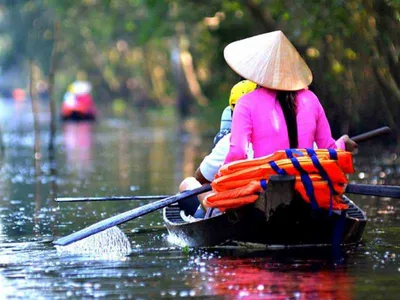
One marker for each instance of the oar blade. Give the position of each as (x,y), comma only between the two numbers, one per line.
(109,243)
(129,215)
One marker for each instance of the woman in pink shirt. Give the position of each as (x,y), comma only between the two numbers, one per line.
(282,113)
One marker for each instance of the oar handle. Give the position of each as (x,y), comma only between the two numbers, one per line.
(389,191)
(112,198)
(370,134)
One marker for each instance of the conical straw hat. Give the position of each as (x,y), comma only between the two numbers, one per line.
(270,60)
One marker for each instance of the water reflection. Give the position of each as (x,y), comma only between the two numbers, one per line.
(38,207)
(78,141)
(268,278)
(125,156)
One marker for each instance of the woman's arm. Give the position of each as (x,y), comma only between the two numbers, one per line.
(213,161)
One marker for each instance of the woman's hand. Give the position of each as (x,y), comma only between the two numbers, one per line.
(349,143)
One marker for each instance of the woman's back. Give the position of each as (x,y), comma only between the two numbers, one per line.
(259,118)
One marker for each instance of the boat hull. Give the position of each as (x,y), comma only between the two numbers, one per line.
(290,223)
(78,116)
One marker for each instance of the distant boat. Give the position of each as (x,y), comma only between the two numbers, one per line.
(78,104)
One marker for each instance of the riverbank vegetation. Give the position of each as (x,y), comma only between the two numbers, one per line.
(158,53)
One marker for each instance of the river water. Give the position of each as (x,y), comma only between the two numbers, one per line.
(148,155)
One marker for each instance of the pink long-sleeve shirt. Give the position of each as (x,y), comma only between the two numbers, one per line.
(258,119)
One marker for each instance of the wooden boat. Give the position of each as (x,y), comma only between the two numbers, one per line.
(279,218)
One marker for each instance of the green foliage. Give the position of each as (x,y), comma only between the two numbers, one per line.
(126,48)
(28,26)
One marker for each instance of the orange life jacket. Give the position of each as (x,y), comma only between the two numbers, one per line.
(248,194)
(320,178)
(280,167)
(343,158)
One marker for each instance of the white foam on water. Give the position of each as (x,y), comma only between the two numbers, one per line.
(175,240)
(110,243)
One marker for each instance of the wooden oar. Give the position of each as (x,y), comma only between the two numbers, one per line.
(112,198)
(129,215)
(390,191)
(370,134)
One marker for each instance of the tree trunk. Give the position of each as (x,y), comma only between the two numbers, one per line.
(35,111)
(51,79)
